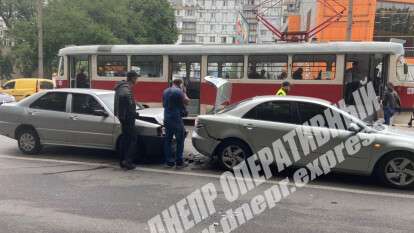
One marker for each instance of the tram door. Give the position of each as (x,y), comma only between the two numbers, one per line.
(189,69)
(80,71)
(372,67)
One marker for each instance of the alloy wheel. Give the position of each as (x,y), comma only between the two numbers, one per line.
(27,142)
(400,171)
(232,156)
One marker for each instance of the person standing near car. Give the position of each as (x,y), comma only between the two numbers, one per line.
(391,103)
(125,110)
(174,102)
(284,90)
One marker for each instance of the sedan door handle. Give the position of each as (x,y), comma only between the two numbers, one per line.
(74,118)
(32,113)
(249,126)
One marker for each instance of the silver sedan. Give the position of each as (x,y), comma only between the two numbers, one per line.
(244,128)
(73,117)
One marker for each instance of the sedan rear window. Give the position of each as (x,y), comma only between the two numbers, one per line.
(274,111)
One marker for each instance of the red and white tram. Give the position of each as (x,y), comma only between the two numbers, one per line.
(315,69)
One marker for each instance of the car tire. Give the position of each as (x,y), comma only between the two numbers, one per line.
(231,153)
(29,142)
(397,170)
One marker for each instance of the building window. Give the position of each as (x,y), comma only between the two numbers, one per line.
(112,65)
(189,25)
(211,27)
(201,39)
(394,20)
(147,66)
(225,16)
(229,67)
(189,13)
(189,38)
(252,38)
(223,27)
(273,67)
(314,67)
(212,39)
(223,40)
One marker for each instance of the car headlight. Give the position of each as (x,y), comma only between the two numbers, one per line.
(161,131)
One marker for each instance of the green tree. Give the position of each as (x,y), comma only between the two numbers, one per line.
(79,22)
(6,67)
(12,10)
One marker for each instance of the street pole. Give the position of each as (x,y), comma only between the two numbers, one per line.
(350,19)
(40,37)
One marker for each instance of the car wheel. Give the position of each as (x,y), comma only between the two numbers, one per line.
(397,171)
(231,153)
(29,142)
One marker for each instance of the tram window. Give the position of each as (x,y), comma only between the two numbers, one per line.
(61,67)
(112,66)
(268,67)
(314,67)
(228,67)
(147,66)
(404,72)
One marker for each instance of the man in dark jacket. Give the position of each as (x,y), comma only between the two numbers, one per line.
(174,101)
(125,110)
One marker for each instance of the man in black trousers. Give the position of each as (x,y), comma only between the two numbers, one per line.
(125,110)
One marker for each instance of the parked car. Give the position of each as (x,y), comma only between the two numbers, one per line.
(5,98)
(244,128)
(24,87)
(73,117)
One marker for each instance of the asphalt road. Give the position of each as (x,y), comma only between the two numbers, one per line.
(77,190)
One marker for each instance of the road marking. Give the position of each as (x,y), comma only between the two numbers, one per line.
(205,175)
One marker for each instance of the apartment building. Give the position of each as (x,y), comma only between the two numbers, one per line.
(214,21)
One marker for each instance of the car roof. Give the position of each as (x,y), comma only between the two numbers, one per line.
(291,98)
(83,91)
(31,79)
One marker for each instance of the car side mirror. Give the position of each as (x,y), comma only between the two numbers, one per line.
(353,127)
(100,112)
(405,69)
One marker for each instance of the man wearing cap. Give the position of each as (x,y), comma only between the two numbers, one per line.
(284,90)
(125,110)
(174,102)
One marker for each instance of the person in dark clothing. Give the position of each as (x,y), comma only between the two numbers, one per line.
(390,103)
(125,110)
(174,102)
(81,79)
(298,74)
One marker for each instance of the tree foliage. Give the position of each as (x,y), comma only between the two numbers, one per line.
(6,67)
(79,22)
(13,10)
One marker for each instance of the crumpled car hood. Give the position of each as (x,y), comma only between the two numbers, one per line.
(156,113)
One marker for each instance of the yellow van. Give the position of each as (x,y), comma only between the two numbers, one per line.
(24,87)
